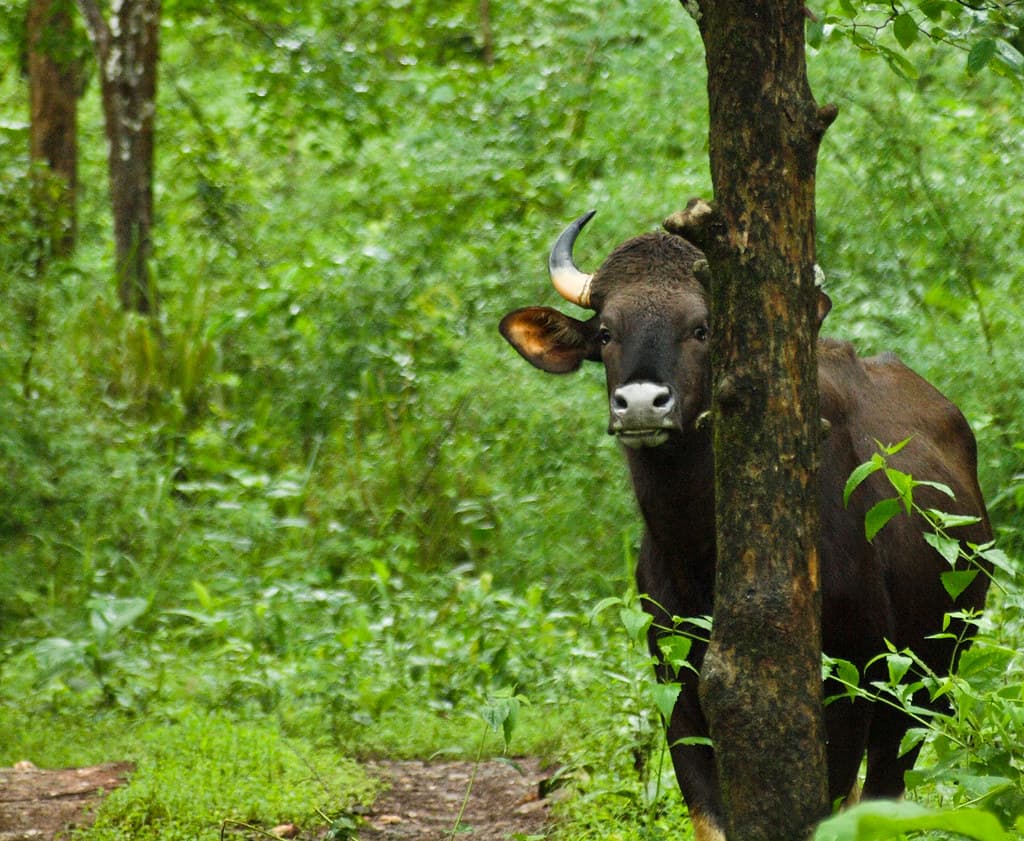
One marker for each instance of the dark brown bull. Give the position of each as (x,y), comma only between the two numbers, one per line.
(650,331)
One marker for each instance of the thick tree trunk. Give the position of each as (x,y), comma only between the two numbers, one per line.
(761,681)
(53,101)
(127,53)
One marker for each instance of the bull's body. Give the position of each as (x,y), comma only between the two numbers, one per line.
(650,332)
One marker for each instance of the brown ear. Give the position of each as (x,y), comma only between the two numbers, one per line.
(550,340)
(824,306)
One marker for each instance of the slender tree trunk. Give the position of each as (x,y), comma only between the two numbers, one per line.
(486,34)
(53,100)
(53,74)
(761,681)
(127,50)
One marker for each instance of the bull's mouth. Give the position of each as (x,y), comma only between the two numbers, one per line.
(638,439)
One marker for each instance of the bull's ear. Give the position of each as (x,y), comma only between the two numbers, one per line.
(550,340)
(824,306)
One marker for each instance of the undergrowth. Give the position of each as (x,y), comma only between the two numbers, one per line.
(196,777)
(315,508)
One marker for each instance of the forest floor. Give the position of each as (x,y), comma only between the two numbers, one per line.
(37,805)
(418,800)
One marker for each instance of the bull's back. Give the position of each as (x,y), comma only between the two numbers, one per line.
(897,576)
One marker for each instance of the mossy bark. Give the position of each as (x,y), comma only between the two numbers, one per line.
(761,680)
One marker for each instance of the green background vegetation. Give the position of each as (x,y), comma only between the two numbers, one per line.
(318,510)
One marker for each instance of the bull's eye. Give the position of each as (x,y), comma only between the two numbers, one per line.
(604,335)
(701,334)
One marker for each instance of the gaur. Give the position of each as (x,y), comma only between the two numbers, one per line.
(650,331)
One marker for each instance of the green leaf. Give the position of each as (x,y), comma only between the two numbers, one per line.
(815,31)
(951,521)
(932,9)
(203,595)
(442,95)
(1008,59)
(945,546)
(905,29)
(603,605)
(55,655)
(703,622)
(898,664)
(882,820)
(693,740)
(945,489)
(501,714)
(892,449)
(980,55)
(665,696)
(846,673)
(675,650)
(956,581)
(998,558)
(859,475)
(904,485)
(635,622)
(879,515)
(861,41)
(110,616)
(849,9)
(912,738)
(980,786)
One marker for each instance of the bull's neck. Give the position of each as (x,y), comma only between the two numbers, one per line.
(674,486)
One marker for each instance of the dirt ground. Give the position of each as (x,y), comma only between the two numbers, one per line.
(419,800)
(37,805)
(424,798)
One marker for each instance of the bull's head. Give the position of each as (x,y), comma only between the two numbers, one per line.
(650,330)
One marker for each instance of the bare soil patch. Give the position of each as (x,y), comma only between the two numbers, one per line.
(37,804)
(423,800)
(419,800)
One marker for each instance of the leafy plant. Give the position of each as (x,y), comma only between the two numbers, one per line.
(654,687)
(499,714)
(978,558)
(973,756)
(988,40)
(879,820)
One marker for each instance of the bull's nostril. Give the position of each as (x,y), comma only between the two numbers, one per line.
(642,404)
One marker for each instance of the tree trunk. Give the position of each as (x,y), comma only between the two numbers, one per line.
(761,681)
(127,53)
(486,34)
(53,101)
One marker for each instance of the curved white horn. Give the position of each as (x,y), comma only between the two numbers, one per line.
(571,283)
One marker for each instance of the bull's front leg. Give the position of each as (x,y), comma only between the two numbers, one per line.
(667,598)
(695,765)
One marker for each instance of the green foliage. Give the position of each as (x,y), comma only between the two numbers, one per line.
(645,801)
(973,559)
(883,820)
(991,34)
(199,776)
(318,485)
(973,756)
